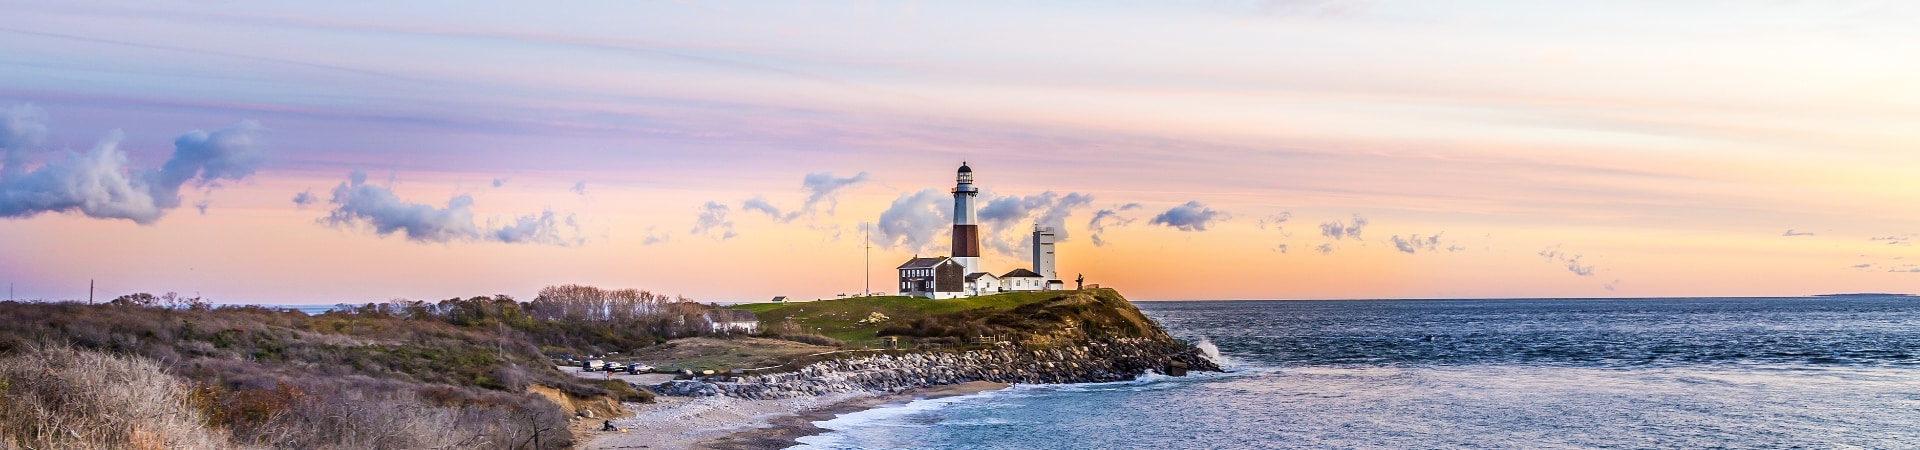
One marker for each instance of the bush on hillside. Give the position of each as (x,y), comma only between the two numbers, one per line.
(287,380)
(55,396)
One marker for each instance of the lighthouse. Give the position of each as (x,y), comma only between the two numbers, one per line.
(966,234)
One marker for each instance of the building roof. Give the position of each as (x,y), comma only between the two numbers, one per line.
(1020,273)
(977,275)
(964,168)
(924,263)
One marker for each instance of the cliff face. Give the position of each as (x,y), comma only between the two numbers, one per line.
(1075,337)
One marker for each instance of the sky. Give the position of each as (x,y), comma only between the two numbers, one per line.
(352,152)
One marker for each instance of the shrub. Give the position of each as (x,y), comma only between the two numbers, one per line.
(54,396)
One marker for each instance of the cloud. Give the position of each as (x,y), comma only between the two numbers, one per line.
(1556,255)
(579,187)
(1108,218)
(498,182)
(1573,265)
(1415,243)
(821,187)
(915,221)
(1900,239)
(1276,220)
(204,158)
(1004,219)
(304,199)
(1324,249)
(1908,268)
(656,237)
(1338,230)
(1791,233)
(1192,216)
(713,217)
(356,202)
(761,205)
(542,228)
(23,128)
(1105,218)
(1009,209)
(1611,286)
(1863,266)
(1282,248)
(99,184)
(824,187)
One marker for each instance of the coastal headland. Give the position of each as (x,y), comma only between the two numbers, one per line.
(942,347)
(493,372)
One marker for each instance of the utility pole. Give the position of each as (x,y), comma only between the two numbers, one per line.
(89,291)
(867,236)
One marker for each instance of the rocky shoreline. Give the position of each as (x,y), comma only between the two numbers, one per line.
(1094,361)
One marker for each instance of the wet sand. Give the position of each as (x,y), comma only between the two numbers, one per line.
(731,423)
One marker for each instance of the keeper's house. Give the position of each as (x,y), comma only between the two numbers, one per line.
(937,277)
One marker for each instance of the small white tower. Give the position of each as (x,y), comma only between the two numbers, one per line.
(966,234)
(1043,252)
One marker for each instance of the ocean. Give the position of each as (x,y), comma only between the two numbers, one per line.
(1814,372)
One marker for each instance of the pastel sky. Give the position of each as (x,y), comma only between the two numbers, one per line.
(327,152)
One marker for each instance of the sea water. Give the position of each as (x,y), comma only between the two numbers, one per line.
(1824,372)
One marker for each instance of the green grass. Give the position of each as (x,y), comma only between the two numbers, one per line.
(838,318)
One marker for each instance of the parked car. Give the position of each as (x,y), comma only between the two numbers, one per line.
(592,365)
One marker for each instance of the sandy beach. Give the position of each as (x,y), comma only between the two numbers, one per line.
(731,423)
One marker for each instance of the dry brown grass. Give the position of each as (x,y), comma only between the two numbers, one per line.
(58,397)
(714,353)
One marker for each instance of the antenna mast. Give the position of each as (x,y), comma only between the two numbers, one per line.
(866,235)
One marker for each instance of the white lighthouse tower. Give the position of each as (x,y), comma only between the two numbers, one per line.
(966,234)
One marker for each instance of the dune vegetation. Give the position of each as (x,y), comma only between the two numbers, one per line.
(148,371)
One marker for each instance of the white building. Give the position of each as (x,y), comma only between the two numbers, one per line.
(1043,264)
(1022,280)
(983,283)
(732,321)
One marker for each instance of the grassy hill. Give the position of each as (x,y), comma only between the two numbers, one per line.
(1025,316)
